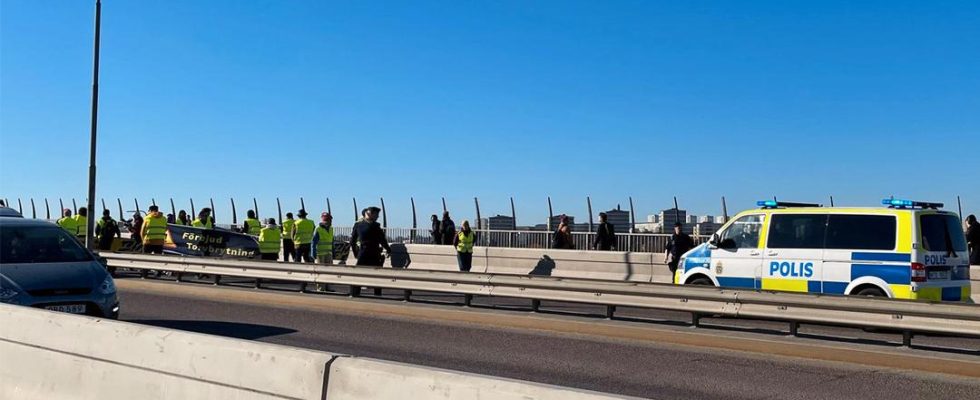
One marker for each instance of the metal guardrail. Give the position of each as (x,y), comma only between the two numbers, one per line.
(899,315)
(632,242)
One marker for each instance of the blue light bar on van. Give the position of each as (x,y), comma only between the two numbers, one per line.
(902,203)
(776,204)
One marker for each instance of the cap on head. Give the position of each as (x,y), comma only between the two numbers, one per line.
(271,221)
(301,213)
(153,208)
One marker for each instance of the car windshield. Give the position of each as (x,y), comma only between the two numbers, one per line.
(941,232)
(39,244)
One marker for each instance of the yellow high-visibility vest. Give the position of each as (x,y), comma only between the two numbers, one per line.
(269,240)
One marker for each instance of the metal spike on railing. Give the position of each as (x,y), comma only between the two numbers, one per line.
(33,209)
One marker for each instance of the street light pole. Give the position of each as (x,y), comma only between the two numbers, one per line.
(90,231)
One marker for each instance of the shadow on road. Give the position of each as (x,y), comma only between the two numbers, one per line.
(221,328)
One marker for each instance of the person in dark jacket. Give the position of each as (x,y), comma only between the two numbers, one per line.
(448,229)
(107,230)
(973,239)
(679,244)
(605,235)
(135,228)
(562,238)
(436,230)
(367,239)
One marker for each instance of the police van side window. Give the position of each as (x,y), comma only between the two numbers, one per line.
(861,232)
(743,233)
(797,231)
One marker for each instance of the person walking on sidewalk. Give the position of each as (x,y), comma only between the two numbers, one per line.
(464,247)
(605,235)
(678,244)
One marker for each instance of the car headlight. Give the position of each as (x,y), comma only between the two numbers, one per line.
(7,294)
(108,286)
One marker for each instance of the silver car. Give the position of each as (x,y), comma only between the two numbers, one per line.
(43,266)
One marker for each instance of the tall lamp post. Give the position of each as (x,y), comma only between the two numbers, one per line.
(92,215)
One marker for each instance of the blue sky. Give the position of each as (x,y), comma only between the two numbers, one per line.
(495,99)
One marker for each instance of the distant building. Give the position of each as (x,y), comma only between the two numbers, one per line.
(652,218)
(671,216)
(706,218)
(500,223)
(691,219)
(720,220)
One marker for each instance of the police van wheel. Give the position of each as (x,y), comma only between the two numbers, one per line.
(870,292)
(702,281)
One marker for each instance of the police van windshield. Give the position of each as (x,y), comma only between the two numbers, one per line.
(39,244)
(941,232)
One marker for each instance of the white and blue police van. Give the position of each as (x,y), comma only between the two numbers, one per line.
(905,250)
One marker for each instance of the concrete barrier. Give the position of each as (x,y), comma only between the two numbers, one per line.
(48,355)
(356,378)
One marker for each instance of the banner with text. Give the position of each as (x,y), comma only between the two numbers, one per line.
(200,242)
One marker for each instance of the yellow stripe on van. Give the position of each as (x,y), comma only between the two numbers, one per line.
(965,294)
(928,293)
(902,291)
(785,285)
(904,232)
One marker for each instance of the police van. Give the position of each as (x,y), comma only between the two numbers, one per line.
(905,250)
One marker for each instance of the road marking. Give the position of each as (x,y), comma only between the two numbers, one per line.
(899,358)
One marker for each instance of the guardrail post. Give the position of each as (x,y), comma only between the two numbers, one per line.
(695,320)
(467,300)
(610,312)
(907,338)
(794,328)
(178,277)
(355,291)
(217,280)
(535,305)
(258,283)
(408,296)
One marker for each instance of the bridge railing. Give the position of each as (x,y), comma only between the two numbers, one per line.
(632,242)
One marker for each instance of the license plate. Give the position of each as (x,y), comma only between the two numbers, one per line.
(938,275)
(68,308)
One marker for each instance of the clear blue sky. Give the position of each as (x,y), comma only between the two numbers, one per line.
(495,99)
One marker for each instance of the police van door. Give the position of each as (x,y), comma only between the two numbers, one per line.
(794,253)
(738,258)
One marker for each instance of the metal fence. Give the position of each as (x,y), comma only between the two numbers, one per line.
(633,242)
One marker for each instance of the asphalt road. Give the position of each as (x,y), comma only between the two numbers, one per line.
(645,368)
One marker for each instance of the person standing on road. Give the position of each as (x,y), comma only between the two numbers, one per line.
(447,228)
(68,223)
(251,226)
(436,230)
(464,247)
(288,248)
(367,239)
(203,219)
(182,218)
(154,231)
(270,237)
(106,230)
(323,240)
(303,237)
(973,238)
(136,230)
(81,223)
(678,244)
(605,235)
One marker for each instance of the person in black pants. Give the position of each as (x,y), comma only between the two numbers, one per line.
(605,235)
(436,230)
(679,244)
(367,240)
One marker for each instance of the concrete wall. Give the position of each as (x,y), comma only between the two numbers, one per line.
(48,355)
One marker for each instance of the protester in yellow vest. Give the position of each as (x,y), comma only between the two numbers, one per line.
(323,240)
(269,239)
(303,237)
(154,231)
(182,218)
(288,249)
(464,247)
(252,225)
(81,223)
(203,219)
(68,223)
